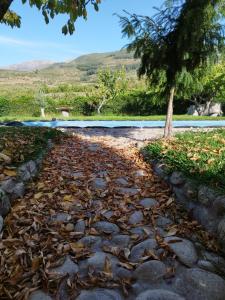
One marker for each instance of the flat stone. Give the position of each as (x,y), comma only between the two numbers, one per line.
(97,261)
(80,226)
(78,174)
(39,295)
(136,218)
(14,188)
(99,294)
(219,205)
(184,250)
(205,217)
(1,223)
(120,240)
(122,181)
(5,205)
(68,267)
(206,265)
(151,271)
(108,214)
(99,184)
(32,168)
(142,231)
(140,173)
(61,217)
(159,295)
(163,222)
(128,191)
(27,171)
(221,231)
(91,242)
(124,273)
(106,227)
(138,251)
(206,195)
(199,284)
(69,227)
(177,178)
(148,202)
(217,261)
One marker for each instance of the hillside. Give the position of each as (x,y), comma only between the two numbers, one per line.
(30,65)
(78,71)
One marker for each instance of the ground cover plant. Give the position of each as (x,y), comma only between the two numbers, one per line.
(19,144)
(199,155)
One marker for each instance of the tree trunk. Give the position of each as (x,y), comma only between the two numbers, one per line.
(42,112)
(100,105)
(169,116)
(4,6)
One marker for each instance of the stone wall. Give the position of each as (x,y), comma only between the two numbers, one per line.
(205,204)
(14,187)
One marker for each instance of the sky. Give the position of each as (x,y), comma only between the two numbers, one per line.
(37,41)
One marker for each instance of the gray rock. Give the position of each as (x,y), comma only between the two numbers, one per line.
(5,205)
(122,181)
(177,178)
(160,169)
(23,173)
(219,206)
(191,190)
(61,217)
(136,218)
(68,267)
(97,261)
(108,214)
(217,261)
(140,173)
(151,271)
(99,294)
(123,273)
(206,196)
(94,148)
(39,295)
(32,168)
(128,191)
(198,284)
(221,232)
(159,294)
(1,223)
(143,231)
(163,222)
(206,217)
(148,202)
(120,240)
(99,184)
(138,251)
(106,227)
(78,174)
(13,188)
(184,249)
(80,226)
(206,265)
(91,241)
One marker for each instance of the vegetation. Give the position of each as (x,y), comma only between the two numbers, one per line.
(49,9)
(174,43)
(23,143)
(199,155)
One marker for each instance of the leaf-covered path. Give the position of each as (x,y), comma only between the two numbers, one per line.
(98,224)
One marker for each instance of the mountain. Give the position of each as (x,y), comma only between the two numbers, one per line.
(30,65)
(84,69)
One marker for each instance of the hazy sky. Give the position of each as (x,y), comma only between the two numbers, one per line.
(35,40)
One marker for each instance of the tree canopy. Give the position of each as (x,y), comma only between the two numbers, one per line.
(181,37)
(49,9)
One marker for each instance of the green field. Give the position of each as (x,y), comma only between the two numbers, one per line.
(106,117)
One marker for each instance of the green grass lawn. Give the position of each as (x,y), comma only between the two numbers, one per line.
(106,117)
(199,155)
(23,143)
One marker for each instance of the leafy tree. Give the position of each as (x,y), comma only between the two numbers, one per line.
(181,37)
(50,8)
(111,83)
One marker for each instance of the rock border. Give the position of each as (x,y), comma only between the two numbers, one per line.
(14,187)
(204,203)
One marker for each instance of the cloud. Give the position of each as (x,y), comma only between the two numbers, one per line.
(39,45)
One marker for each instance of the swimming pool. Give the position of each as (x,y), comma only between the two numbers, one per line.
(114,124)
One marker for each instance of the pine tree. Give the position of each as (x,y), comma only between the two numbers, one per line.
(182,36)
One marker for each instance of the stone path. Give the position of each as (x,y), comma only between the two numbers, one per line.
(99,225)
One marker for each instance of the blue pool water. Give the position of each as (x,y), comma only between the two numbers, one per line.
(113,124)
